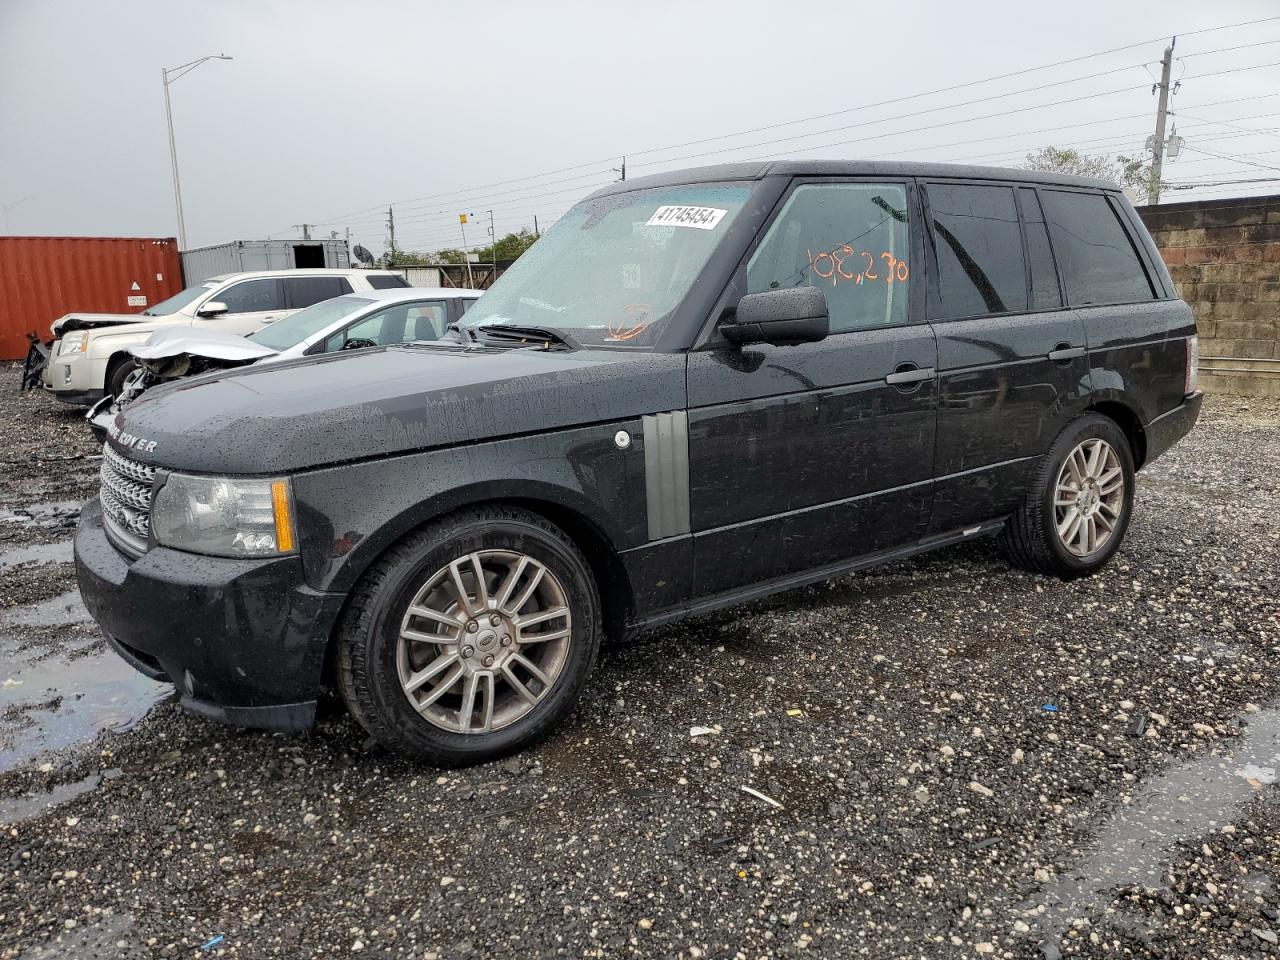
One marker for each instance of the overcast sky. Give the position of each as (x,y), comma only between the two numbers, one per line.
(331,110)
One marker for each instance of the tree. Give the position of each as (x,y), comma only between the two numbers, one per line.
(508,248)
(1127,171)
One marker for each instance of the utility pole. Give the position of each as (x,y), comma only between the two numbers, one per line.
(391,224)
(1157,141)
(493,238)
(536,234)
(305,228)
(466,254)
(7,206)
(167,76)
(622,169)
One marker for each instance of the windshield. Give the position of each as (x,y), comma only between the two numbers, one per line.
(613,269)
(178,300)
(292,330)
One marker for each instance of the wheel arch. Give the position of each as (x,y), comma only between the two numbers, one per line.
(552,503)
(1130,424)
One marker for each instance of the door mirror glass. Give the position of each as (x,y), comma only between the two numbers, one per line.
(214,308)
(782,317)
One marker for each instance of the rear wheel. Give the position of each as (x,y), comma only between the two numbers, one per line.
(1077,510)
(471,639)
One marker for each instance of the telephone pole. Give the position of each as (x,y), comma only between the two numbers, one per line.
(391,224)
(1157,141)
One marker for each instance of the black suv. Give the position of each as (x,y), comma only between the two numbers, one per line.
(696,389)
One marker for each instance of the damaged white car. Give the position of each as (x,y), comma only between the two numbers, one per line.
(373,318)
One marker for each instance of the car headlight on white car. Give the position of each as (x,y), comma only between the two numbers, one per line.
(225,516)
(72,343)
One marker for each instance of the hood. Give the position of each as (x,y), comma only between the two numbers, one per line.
(212,344)
(87,321)
(299,414)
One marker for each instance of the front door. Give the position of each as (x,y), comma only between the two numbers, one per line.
(1012,366)
(807,456)
(251,305)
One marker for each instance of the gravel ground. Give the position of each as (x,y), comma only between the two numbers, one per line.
(949,758)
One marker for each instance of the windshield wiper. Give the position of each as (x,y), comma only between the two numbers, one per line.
(466,334)
(513,331)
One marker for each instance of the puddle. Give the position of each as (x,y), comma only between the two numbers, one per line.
(16,809)
(1134,847)
(59,552)
(66,608)
(67,698)
(54,513)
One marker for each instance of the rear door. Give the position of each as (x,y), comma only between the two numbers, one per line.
(805,456)
(304,291)
(1012,369)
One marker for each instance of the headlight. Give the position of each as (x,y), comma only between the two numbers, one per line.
(72,343)
(225,516)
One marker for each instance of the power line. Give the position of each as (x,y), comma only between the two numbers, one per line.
(947,89)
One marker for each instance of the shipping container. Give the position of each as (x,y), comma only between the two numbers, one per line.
(239,255)
(42,278)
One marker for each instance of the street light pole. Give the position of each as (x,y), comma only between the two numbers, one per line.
(168,75)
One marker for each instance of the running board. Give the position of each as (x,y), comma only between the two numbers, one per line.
(803,579)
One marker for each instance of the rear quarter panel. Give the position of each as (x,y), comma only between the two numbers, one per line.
(1137,354)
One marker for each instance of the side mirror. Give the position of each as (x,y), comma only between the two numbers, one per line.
(212,308)
(783,317)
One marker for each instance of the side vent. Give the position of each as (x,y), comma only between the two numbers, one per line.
(666,473)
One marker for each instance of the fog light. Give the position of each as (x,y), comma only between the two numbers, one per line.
(66,375)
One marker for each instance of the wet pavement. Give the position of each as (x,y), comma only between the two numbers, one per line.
(941,758)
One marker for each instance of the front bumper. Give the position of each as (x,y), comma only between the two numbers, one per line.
(1168,428)
(243,640)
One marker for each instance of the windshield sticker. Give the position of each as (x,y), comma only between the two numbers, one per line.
(700,218)
(631,276)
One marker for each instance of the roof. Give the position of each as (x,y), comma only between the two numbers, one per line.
(304,272)
(398,294)
(847,168)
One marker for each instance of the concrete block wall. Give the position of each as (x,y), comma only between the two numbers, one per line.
(1224,257)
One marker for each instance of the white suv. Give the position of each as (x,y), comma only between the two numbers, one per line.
(89,358)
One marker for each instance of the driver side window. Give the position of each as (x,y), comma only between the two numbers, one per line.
(252,296)
(850,241)
(420,320)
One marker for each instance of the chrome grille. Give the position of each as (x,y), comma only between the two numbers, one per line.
(126,496)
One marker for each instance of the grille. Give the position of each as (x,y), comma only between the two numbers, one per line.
(126,496)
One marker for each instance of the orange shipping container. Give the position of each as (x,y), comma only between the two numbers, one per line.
(41,278)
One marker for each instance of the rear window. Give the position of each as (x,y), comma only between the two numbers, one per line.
(304,291)
(383,281)
(979,248)
(1095,255)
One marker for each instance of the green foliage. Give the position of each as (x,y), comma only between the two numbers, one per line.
(508,248)
(1127,171)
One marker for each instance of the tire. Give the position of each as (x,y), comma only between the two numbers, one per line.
(380,671)
(1031,537)
(119,369)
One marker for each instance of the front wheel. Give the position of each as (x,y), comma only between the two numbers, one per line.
(1078,508)
(471,639)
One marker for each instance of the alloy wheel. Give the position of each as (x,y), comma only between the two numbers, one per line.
(1088,497)
(483,641)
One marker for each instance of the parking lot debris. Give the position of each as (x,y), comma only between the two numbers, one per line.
(1049,708)
(760,796)
(212,942)
(1138,726)
(695,732)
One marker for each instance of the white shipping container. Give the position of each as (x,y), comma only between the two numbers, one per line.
(240,255)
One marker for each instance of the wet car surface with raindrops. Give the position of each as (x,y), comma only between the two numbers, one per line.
(944,757)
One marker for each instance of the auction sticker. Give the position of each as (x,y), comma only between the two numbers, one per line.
(700,218)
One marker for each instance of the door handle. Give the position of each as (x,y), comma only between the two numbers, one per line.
(1064,351)
(910,374)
